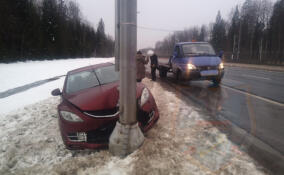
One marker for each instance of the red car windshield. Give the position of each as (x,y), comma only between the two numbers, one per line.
(90,78)
(107,74)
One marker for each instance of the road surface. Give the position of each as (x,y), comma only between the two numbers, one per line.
(251,99)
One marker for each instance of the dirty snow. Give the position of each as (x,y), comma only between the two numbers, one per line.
(182,142)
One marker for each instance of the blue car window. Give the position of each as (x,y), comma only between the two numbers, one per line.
(198,49)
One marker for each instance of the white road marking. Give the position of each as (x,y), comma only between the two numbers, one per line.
(252,76)
(232,82)
(255,96)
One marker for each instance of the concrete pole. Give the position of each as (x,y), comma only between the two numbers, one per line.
(127,136)
(260,50)
(234,47)
(117,34)
(239,41)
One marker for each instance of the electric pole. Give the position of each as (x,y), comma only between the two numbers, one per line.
(234,48)
(117,35)
(260,50)
(239,41)
(126,136)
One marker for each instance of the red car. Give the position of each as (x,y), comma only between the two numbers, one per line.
(89,108)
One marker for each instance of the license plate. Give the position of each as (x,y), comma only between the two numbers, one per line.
(209,73)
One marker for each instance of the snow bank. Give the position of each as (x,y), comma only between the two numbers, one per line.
(18,74)
(182,142)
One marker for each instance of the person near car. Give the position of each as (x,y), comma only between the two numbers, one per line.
(141,61)
(154,65)
(221,54)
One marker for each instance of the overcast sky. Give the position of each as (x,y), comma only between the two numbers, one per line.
(161,14)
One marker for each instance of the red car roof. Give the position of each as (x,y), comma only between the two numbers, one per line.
(89,67)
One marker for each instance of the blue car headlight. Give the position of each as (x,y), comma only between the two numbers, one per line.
(190,66)
(221,65)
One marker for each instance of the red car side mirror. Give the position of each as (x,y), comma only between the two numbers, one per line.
(56,92)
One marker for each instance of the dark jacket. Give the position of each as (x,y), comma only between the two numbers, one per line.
(154,60)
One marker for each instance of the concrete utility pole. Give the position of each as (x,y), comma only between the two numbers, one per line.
(239,41)
(234,47)
(260,50)
(127,136)
(117,35)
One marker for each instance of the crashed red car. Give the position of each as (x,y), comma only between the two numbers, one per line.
(89,108)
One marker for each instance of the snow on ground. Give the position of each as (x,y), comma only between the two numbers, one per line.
(30,96)
(182,142)
(17,74)
(21,73)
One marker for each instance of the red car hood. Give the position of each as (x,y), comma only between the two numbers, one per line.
(100,97)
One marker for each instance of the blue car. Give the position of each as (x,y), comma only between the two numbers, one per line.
(193,61)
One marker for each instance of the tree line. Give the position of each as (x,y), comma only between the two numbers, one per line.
(49,29)
(165,47)
(253,33)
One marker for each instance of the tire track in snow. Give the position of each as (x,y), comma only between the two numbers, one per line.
(27,87)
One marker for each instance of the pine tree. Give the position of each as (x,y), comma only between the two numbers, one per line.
(218,38)
(48,29)
(101,39)
(234,33)
(203,34)
(276,32)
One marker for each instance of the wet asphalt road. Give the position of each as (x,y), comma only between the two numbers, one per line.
(254,100)
(251,99)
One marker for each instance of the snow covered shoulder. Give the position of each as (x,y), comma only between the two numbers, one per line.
(182,142)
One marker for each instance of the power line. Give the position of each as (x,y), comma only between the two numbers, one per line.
(150,28)
(155,29)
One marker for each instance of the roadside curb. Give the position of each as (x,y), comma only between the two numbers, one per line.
(271,158)
(259,67)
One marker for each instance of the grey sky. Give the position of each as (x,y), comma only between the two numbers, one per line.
(161,14)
